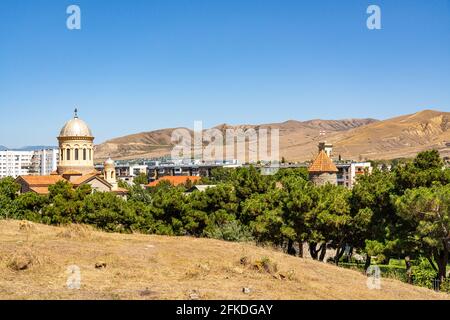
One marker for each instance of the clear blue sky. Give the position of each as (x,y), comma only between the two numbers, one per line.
(140,65)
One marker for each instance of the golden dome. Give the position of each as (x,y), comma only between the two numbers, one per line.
(109,163)
(75,128)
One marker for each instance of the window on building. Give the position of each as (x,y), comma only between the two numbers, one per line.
(90,154)
(68,154)
(62,154)
(76,154)
(112,174)
(84,154)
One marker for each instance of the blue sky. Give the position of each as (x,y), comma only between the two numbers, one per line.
(140,65)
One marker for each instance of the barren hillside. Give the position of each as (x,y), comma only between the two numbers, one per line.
(34,262)
(402,136)
(158,143)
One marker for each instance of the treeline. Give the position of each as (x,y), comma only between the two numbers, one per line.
(403,213)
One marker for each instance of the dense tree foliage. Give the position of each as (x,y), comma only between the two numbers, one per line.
(140,179)
(428,210)
(402,213)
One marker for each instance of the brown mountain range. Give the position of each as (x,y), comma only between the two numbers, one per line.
(356,139)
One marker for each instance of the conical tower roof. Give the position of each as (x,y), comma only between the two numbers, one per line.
(322,163)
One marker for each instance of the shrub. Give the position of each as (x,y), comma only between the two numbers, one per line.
(22,259)
(266,265)
(229,231)
(393,272)
(423,274)
(445,286)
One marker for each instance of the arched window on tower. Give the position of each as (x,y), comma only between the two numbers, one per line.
(112,174)
(90,154)
(84,154)
(68,154)
(61,152)
(76,154)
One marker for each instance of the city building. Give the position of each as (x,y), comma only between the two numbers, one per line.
(15,163)
(126,171)
(349,171)
(158,169)
(76,163)
(44,162)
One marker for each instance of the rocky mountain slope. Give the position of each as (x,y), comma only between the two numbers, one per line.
(356,139)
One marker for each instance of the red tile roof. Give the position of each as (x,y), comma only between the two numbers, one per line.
(87,178)
(40,190)
(36,181)
(72,173)
(175,180)
(322,163)
(120,191)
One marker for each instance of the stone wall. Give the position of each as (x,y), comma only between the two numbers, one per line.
(322,178)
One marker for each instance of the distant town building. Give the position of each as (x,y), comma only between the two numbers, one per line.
(187,168)
(15,163)
(154,169)
(127,172)
(349,171)
(44,162)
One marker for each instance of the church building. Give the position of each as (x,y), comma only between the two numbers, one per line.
(76,163)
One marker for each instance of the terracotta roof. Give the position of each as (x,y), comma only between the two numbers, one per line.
(40,190)
(322,163)
(120,190)
(86,178)
(72,172)
(175,180)
(41,180)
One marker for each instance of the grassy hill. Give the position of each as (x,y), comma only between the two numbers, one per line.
(34,260)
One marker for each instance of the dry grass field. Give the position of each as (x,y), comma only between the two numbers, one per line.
(34,261)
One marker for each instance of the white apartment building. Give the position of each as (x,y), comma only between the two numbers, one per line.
(349,171)
(44,162)
(15,163)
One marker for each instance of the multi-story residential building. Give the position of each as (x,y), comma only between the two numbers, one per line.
(44,162)
(126,171)
(155,169)
(348,171)
(187,168)
(15,163)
